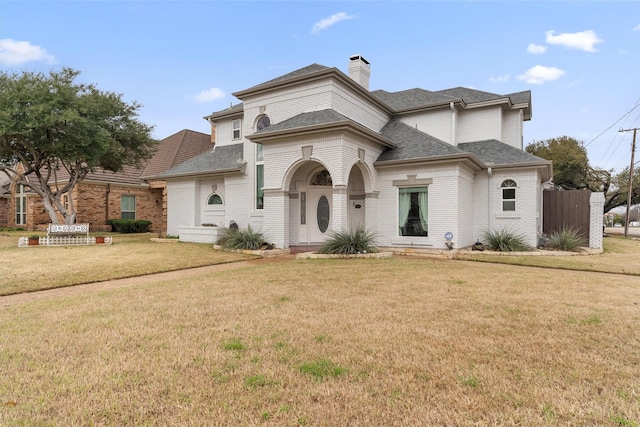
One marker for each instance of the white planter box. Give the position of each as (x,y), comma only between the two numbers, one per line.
(198,234)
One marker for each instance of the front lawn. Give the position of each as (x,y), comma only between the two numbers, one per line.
(402,341)
(41,267)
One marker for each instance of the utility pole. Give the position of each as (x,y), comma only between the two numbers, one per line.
(633,152)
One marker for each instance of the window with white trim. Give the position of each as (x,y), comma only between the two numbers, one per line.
(413,211)
(508,195)
(65,201)
(127,206)
(236,126)
(21,206)
(214,199)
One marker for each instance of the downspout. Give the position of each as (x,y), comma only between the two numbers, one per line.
(489,176)
(106,206)
(452,107)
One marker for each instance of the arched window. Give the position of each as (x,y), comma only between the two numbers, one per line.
(263,122)
(508,195)
(214,199)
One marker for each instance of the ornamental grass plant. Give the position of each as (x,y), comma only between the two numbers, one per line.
(566,239)
(350,242)
(246,238)
(505,241)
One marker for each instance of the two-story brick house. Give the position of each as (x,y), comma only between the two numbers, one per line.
(315,150)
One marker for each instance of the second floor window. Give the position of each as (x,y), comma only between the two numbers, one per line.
(236,125)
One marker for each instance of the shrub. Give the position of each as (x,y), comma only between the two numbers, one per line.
(240,239)
(505,241)
(129,225)
(355,241)
(565,239)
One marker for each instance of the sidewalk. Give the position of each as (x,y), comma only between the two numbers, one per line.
(619,231)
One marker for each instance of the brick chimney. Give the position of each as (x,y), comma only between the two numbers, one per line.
(359,70)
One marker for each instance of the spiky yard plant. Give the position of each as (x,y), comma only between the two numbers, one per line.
(566,238)
(240,239)
(505,241)
(354,241)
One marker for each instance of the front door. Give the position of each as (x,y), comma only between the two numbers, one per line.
(318,214)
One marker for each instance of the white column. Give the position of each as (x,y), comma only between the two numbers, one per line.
(596,216)
(276,217)
(340,221)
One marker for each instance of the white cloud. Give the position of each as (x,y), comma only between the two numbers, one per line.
(636,28)
(540,74)
(15,52)
(325,23)
(499,79)
(536,49)
(209,95)
(583,40)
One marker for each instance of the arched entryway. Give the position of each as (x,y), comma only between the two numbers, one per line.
(315,206)
(318,205)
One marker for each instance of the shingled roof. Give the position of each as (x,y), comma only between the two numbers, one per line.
(412,143)
(227,158)
(176,149)
(494,152)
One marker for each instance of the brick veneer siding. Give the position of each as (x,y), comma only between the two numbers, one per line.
(98,202)
(4,211)
(90,200)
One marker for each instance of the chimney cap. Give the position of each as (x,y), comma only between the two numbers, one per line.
(360,57)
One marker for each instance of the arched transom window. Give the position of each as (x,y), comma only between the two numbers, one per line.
(509,195)
(214,199)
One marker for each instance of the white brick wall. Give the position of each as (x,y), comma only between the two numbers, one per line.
(524,220)
(461,201)
(435,123)
(479,124)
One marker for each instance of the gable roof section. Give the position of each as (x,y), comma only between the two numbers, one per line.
(233,111)
(412,145)
(314,122)
(416,99)
(176,149)
(494,152)
(412,98)
(224,159)
(498,154)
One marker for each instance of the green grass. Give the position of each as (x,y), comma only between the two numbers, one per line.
(321,369)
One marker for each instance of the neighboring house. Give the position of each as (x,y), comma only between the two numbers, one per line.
(314,151)
(106,195)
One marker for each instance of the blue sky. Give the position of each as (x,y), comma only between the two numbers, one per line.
(182,60)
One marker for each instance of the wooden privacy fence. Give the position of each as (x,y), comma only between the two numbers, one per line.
(566,208)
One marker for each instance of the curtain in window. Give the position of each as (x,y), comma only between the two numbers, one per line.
(259,186)
(404,205)
(422,204)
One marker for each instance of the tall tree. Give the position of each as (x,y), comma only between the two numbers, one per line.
(50,126)
(572,171)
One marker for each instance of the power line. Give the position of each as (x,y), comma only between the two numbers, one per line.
(616,122)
